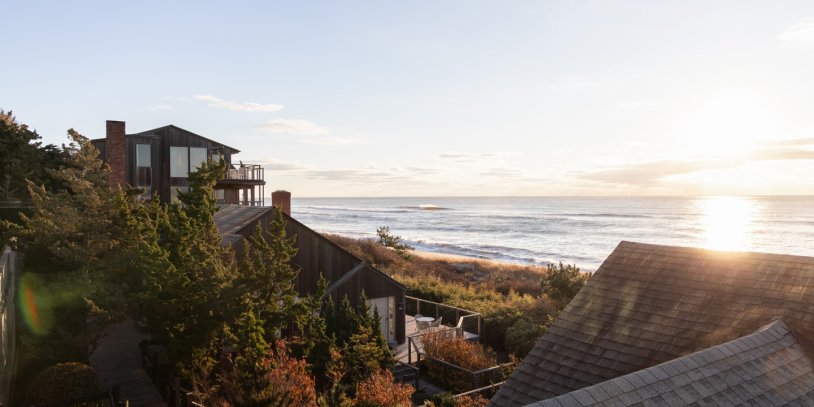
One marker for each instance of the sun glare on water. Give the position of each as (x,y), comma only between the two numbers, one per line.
(725,221)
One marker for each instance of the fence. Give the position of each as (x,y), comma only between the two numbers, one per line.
(158,367)
(8,277)
(468,322)
(460,379)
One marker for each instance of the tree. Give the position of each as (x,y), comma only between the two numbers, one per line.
(387,239)
(23,158)
(188,292)
(267,277)
(74,225)
(561,283)
(357,336)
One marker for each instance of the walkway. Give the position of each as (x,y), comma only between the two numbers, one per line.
(117,359)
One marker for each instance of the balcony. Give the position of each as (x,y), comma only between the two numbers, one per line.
(244,174)
(241,185)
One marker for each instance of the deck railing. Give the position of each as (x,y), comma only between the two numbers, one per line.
(247,172)
(468,322)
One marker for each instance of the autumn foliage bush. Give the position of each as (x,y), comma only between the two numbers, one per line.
(380,390)
(468,356)
(444,346)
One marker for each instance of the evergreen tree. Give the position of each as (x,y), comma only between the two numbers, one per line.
(23,158)
(75,225)
(191,276)
(267,277)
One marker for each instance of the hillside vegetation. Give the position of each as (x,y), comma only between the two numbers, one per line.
(518,303)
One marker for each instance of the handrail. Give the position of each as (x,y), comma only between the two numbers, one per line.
(441,304)
(245,172)
(438,309)
(466,393)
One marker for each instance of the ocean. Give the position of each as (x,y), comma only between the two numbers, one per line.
(575,230)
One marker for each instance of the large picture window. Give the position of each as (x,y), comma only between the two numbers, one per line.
(144,173)
(179,162)
(142,155)
(197,156)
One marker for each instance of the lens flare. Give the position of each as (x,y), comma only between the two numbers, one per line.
(31,305)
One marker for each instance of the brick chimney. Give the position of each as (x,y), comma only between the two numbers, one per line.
(282,200)
(114,153)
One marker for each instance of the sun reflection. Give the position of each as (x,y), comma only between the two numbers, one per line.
(725,221)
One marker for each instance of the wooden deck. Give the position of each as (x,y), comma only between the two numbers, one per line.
(401,352)
(117,359)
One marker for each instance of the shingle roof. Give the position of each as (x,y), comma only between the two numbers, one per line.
(648,304)
(230,219)
(766,368)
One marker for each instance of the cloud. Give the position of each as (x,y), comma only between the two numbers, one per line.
(808,141)
(360,175)
(464,156)
(331,141)
(648,173)
(799,33)
(471,157)
(161,107)
(498,172)
(283,166)
(214,101)
(293,126)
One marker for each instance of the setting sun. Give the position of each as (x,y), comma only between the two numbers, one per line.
(725,221)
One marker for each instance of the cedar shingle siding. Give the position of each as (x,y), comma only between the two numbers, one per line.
(650,304)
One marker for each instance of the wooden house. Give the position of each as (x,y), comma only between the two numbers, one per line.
(673,326)
(346,274)
(159,161)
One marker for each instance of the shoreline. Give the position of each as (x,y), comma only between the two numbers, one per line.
(459,258)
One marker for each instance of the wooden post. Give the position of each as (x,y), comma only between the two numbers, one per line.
(410,350)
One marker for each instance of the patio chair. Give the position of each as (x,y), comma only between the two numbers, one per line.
(422,325)
(436,323)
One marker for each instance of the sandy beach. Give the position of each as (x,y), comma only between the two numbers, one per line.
(457,258)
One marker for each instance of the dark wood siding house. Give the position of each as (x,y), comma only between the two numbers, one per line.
(346,274)
(159,161)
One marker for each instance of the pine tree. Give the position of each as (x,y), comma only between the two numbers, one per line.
(268,278)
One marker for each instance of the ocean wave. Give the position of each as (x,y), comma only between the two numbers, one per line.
(426,207)
(351,209)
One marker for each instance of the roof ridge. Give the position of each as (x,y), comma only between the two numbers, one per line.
(629,383)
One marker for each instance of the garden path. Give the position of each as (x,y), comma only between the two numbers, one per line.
(117,360)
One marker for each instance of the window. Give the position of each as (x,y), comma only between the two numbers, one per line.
(144,173)
(142,155)
(220,195)
(179,162)
(184,160)
(197,156)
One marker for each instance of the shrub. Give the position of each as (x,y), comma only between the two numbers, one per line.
(522,335)
(380,390)
(447,400)
(64,381)
(457,351)
(562,282)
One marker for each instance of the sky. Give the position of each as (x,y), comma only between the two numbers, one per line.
(440,98)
